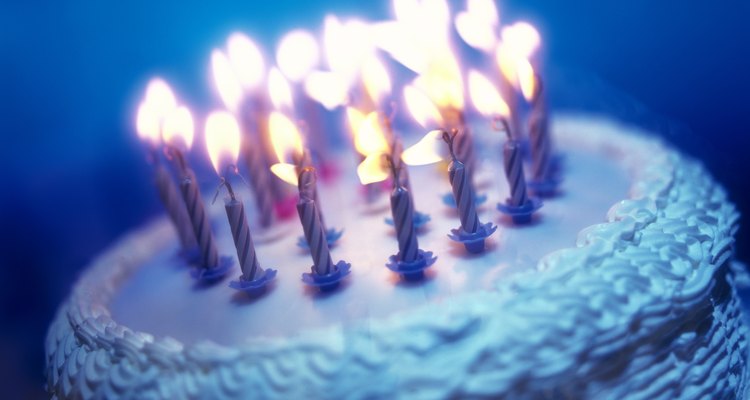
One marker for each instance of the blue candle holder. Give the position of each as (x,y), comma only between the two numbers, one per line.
(255,286)
(413,270)
(332,236)
(474,242)
(328,282)
(450,201)
(419,220)
(521,214)
(213,274)
(548,186)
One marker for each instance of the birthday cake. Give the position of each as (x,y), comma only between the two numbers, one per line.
(623,286)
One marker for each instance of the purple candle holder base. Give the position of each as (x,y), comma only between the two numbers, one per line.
(328,282)
(215,273)
(419,220)
(450,201)
(474,242)
(255,286)
(191,255)
(332,236)
(412,270)
(520,214)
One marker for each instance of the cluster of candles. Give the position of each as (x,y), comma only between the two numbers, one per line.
(259,122)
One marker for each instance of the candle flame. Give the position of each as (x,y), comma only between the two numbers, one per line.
(346,45)
(355,118)
(147,123)
(372,169)
(369,137)
(376,79)
(178,129)
(442,82)
(426,151)
(477,25)
(521,38)
(286,172)
(222,140)
(398,40)
(285,137)
(421,108)
(297,54)
(327,88)
(279,90)
(225,80)
(485,97)
(160,97)
(246,60)
(526,79)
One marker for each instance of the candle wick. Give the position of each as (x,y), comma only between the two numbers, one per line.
(505,126)
(394,169)
(449,138)
(224,183)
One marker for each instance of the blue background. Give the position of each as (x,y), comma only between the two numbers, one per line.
(73,176)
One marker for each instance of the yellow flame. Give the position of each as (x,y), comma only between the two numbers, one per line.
(160,97)
(147,123)
(297,54)
(225,80)
(421,108)
(222,140)
(279,90)
(369,137)
(521,38)
(477,25)
(327,88)
(398,40)
(486,98)
(286,172)
(372,169)
(526,79)
(426,151)
(355,118)
(246,60)
(178,129)
(285,137)
(375,78)
(442,82)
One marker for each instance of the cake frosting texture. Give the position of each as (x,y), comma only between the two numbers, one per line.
(643,307)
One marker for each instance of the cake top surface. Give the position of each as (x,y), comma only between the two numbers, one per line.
(161,298)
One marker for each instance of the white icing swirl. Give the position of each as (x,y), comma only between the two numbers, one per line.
(644,308)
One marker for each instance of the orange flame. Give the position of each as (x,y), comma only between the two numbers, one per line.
(222,140)
(369,137)
(421,108)
(372,169)
(375,78)
(285,137)
(426,151)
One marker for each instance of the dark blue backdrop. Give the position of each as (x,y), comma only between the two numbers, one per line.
(73,177)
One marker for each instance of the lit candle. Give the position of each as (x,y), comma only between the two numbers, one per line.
(513,163)
(545,177)
(241,70)
(223,144)
(148,127)
(311,223)
(463,191)
(178,135)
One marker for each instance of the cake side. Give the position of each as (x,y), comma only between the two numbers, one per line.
(644,307)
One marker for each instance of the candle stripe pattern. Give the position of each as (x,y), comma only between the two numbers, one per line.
(315,236)
(403,214)
(514,173)
(463,193)
(261,182)
(540,143)
(201,224)
(175,207)
(243,241)
(464,148)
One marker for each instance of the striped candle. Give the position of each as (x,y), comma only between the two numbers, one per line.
(514,172)
(311,223)
(261,183)
(403,211)
(540,140)
(175,207)
(243,241)
(463,193)
(199,219)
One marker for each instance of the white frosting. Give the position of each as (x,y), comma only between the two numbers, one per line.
(643,307)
